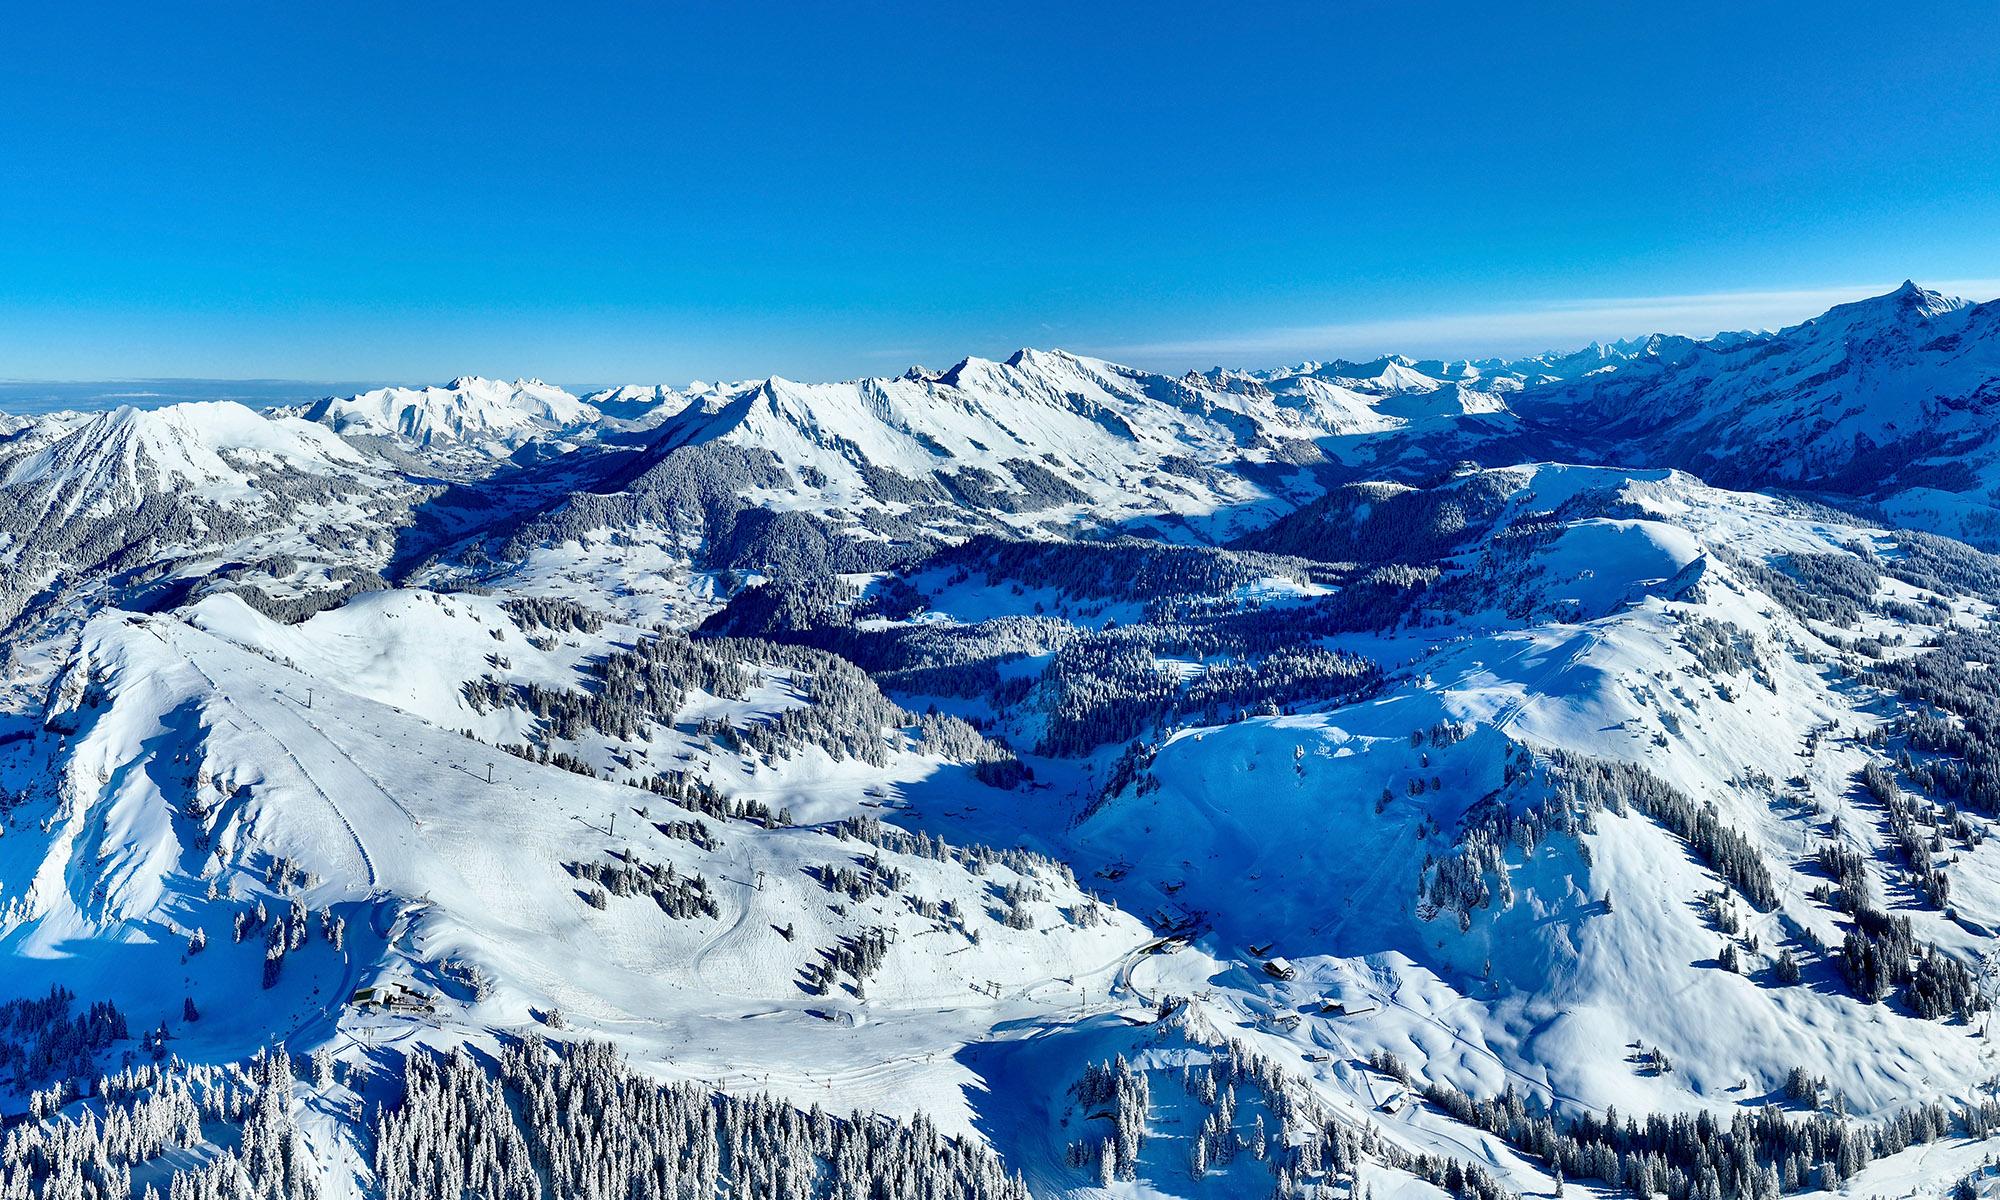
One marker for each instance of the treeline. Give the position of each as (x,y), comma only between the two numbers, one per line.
(241,1115)
(535,1121)
(1031,870)
(298,605)
(846,715)
(1110,687)
(679,895)
(283,933)
(1880,952)
(858,956)
(1389,523)
(1878,955)
(1115,1091)
(1100,685)
(975,858)
(699,796)
(1560,792)
(1038,488)
(1126,569)
(843,712)
(1959,677)
(578,1122)
(1456,882)
(1914,826)
(45,1038)
(1756,1155)
(927,659)
(1835,588)
(1941,565)
(1594,784)
(870,877)
(1720,648)
(557,613)
(677,787)
(781,609)
(1251,1112)
(630,689)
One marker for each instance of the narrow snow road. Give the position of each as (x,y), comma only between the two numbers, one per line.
(709,945)
(1129,963)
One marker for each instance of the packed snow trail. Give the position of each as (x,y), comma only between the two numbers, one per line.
(373,782)
(709,944)
(1339,922)
(215,686)
(1129,964)
(334,771)
(1533,693)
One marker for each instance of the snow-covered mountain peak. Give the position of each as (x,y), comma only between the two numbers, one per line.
(633,400)
(1452,727)
(474,413)
(119,457)
(1390,375)
(1889,397)
(1907,305)
(1223,380)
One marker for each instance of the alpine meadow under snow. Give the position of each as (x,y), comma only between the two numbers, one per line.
(1571,774)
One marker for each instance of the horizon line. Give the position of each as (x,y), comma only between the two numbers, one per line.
(1508,333)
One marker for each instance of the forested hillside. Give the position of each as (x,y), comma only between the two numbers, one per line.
(1042,777)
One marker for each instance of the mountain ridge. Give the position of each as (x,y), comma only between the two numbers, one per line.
(1353,779)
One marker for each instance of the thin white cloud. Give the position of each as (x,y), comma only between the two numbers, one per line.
(1553,325)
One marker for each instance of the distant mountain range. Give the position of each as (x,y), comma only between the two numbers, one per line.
(1573,775)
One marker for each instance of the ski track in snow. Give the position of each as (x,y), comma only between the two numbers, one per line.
(360,846)
(708,946)
(337,756)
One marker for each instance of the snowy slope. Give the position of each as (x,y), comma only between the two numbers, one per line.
(1331,746)
(190,763)
(1552,988)
(214,449)
(1888,399)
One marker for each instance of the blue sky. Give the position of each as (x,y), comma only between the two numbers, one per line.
(611,193)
